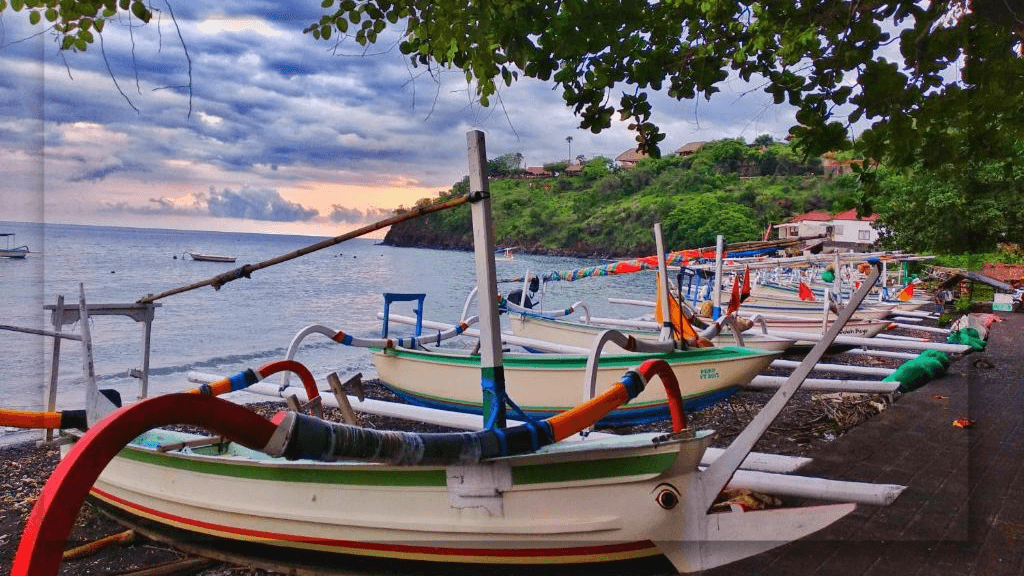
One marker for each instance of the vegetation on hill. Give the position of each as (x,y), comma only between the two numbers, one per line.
(608,211)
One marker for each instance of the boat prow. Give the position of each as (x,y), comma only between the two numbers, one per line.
(723,538)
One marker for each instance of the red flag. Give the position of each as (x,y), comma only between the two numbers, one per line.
(745,293)
(767,232)
(907,293)
(805,293)
(734,300)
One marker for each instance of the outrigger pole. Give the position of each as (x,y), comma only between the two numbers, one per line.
(717,475)
(247,270)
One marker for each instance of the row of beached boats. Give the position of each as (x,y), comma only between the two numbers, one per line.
(532,486)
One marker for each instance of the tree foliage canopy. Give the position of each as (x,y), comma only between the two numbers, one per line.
(916,69)
(938,78)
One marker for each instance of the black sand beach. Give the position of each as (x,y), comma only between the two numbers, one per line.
(959,514)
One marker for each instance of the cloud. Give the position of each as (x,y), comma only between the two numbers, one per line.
(246,203)
(340,214)
(272,107)
(257,204)
(97,174)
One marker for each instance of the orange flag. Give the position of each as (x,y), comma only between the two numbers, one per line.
(734,300)
(907,293)
(680,325)
(805,293)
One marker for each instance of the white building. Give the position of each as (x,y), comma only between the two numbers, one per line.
(847,228)
(844,229)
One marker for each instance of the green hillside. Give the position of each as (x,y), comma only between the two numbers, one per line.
(608,211)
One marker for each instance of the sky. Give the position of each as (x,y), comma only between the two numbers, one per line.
(279,133)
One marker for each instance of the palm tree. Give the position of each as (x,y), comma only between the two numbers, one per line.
(569,140)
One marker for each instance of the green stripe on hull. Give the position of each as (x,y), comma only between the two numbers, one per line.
(548,472)
(294,474)
(575,362)
(592,469)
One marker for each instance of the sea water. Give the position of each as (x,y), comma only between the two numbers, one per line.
(248,322)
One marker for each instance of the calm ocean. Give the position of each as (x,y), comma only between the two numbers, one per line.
(246,323)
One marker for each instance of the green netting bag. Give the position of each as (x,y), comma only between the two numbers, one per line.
(940,356)
(910,375)
(968,336)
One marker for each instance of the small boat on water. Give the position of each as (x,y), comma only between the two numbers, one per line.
(199,257)
(10,249)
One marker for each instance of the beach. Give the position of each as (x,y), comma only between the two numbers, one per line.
(808,424)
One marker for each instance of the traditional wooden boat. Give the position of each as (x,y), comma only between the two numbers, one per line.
(544,384)
(794,307)
(782,291)
(10,248)
(209,257)
(582,334)
(623,503)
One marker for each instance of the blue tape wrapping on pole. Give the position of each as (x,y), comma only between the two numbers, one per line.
(243,380)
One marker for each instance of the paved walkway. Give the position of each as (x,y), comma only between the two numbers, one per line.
(963,510)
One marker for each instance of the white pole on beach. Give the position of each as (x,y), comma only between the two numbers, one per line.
(492,373)
(716,311)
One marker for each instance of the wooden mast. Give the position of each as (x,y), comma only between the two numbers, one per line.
(492,373)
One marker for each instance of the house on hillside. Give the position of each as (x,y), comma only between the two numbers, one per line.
(689,148)
(536,172)
(574,169)
(809,225)
(629,158)
(844,230)
(848,230)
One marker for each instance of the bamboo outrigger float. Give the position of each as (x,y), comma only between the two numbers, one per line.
(348,498)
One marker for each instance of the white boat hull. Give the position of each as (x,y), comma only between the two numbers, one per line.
(582,335)
(545,384)
(612,500)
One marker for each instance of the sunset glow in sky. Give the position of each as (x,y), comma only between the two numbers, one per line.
(282,133)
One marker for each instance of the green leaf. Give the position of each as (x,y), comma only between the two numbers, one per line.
(34,17)
(3,5)
(327,3)
(17,5)
(124,4)
(68,42)
(140,11)
(98,25)
(51,15)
